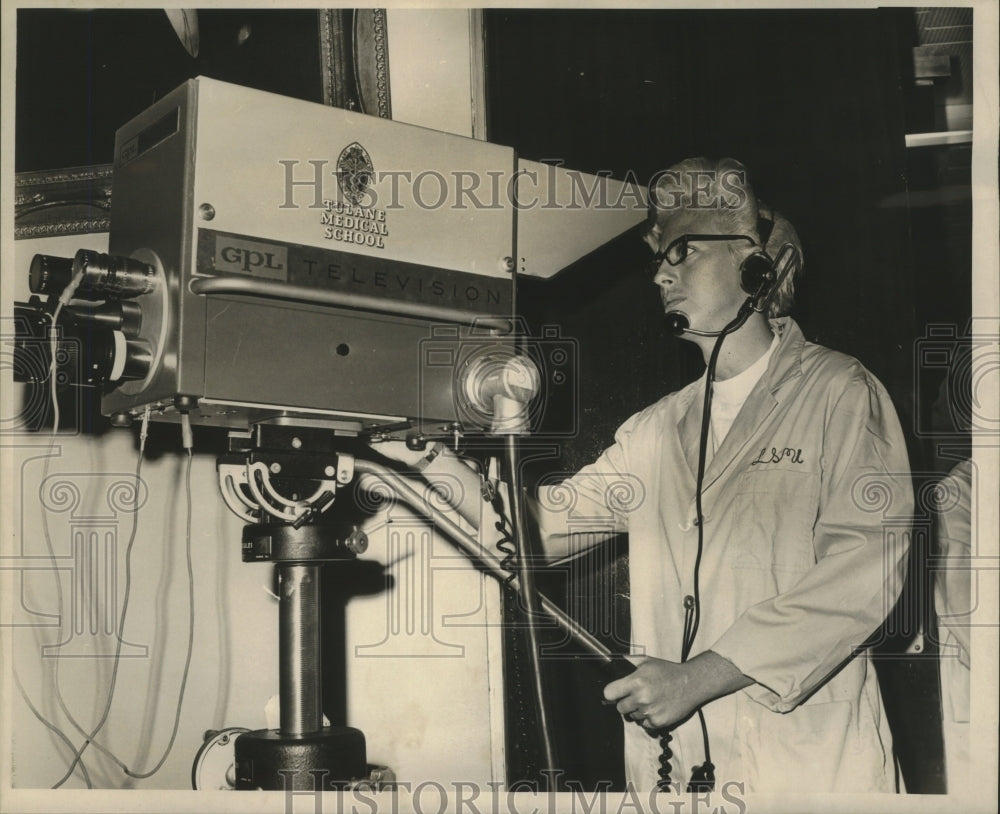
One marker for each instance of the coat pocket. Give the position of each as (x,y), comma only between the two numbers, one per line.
(801,751)
(774,514)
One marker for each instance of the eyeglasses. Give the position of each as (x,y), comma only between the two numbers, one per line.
(677,251)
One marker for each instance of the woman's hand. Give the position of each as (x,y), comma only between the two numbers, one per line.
(662,693)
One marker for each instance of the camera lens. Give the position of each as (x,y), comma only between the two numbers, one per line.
(49,275)
(120,316)
(97,355)
(138,359)
(104,276)
(107,276)
(87,353)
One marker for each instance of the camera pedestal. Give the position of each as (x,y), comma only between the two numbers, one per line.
(333,757)
(302,753)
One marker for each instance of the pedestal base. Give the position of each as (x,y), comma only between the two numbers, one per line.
(332,758)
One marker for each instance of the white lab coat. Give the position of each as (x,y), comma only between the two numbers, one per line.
(807,505)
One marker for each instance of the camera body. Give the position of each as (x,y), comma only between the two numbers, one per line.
(272,259)
(292,208)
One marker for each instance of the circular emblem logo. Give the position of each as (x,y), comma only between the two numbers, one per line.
(354,173)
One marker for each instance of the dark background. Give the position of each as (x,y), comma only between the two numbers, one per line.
(816,103)
(81,75)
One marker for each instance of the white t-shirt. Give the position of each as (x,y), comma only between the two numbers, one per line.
(728,396)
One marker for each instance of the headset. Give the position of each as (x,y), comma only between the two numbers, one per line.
(760,276)
(757,272)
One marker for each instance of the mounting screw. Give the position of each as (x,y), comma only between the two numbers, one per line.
(121,420)
(507,264)
(186,404)
(206,211)
(357,542)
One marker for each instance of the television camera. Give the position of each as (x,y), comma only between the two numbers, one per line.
(316,281)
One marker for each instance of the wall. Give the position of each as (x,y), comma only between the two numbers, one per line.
(433,70)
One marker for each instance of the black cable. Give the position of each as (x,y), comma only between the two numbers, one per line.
(506,544)
(702,777)
(531,606)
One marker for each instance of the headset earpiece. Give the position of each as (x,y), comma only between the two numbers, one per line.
(757,273)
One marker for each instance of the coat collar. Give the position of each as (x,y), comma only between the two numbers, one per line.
(785,364)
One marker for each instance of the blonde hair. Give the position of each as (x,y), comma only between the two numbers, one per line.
(721,189)
(783,234)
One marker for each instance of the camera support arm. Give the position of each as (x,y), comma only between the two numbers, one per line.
(482,557)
